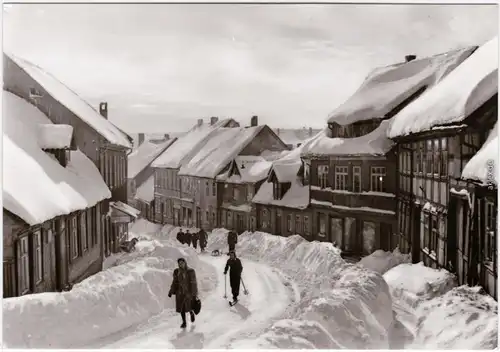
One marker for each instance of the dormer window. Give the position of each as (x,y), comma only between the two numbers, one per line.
(276,190)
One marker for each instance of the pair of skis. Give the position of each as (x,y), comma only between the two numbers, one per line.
(245,291)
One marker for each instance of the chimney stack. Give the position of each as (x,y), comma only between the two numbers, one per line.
(213,120)
(409,58)
(278,131)
(167,136)
(141,138)
(254,122)
(103,109)
(200,122)
(310,131)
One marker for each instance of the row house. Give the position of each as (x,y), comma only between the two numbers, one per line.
(216,157)
(173,202)
(282,202)
(101,141)
(141,174)
(444,220)
(353,163)
(52,204)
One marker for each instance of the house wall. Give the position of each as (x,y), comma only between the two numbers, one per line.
(235,208)
(266,139)
(275,220)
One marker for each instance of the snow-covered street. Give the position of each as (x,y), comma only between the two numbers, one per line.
(218,324)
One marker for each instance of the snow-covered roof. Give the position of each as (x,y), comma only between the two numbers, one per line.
(387,87)
(483,166)
(145,155)
(126,209)
(52,136)
(187,145)
(458,95)
(146,191)
(73,102)
(219,150)
(35,186)
(294,136)
(251,170)
(373,143)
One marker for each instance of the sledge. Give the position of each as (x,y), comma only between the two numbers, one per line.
(216,253)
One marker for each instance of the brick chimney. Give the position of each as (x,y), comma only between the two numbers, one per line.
(167,136)
(141,138)
(409,58)
(200,122)
(254,121)
(213,120)
(310,131)
(103,109)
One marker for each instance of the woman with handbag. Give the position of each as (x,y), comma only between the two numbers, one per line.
(185,289)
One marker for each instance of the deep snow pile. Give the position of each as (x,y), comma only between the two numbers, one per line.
(106,303)
(341,305)
(444,316)
(382,261)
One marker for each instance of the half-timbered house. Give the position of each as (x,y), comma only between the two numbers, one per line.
(101,141)
(173,194)
(440,220)
(215,157)
(52,197)
(141,174)
(353,163)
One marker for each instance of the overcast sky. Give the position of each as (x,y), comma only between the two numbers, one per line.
(161,67)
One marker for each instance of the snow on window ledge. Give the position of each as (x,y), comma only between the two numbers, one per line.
(431,254)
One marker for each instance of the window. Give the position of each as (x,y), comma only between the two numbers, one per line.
(37,250)
(213,188)
(428,156)
(207,188)
(356,178)
(298,224)
(265,218)
(236,193)
(23,265)
(276,190)
(229,221)
(341,178)
(437,157)
(444,157)
(83,231)
(322,224)
(419,157)
(377,179)
(323,176)
(289,223)
(90,228)
(306,173)
(74,237)
(306,225)
(434,233)
(249,193)
(207,216)
(223,218)
(490,243)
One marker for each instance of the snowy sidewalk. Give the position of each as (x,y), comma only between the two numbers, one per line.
(218,324)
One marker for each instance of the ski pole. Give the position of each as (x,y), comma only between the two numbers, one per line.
(225,287)
(245,291)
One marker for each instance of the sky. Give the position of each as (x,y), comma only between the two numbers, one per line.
(161,67)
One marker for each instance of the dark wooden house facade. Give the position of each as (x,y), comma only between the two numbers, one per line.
(444,220)
(101,141)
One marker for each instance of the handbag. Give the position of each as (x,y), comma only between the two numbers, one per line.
(196,305)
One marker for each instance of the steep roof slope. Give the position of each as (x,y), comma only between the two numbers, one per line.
(35,186)
(458,95)
(219,150)
(387,87)
(73,102)
(145,154)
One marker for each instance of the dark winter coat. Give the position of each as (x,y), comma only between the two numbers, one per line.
(194,238)
(181,237)
(232,238)
(187,238)
(203,238)
(185,288)
(235,268)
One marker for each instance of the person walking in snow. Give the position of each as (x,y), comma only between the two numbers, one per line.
(180,236)
(194,239)
(203,239)
(232,239)
(235,268)
(185,289)
(187,239)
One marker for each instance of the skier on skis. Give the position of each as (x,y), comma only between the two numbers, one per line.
(185,289)
(232,239)
(194,239)
(180,236)
(203,239)
(235,268)
(187,238)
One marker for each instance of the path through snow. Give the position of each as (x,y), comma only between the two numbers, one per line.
(218,324)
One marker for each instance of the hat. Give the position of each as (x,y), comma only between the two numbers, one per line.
(181,260)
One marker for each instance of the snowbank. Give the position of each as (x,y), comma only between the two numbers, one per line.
(52,136)
(341,305)
(381,261)
(73,102)
(483,166)
(106,303)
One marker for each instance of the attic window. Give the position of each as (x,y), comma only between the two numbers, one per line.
(35,93)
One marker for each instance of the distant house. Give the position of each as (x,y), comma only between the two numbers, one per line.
(444,220)
(141,174)
(52,204)
(354,164)
(101,141)
(216,156)
(172,202)
(294,137)
(282,201)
